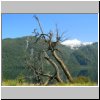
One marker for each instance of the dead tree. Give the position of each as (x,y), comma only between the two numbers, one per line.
(52,48)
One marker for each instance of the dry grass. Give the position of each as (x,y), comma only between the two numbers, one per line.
(15,83)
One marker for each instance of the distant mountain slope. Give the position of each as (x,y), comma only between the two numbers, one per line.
(81,62)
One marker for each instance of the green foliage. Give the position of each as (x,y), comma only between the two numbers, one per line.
(21,78)
(12,58)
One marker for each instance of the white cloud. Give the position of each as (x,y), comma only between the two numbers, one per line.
(75,43)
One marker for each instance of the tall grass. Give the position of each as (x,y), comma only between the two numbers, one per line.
(16,83)
(9,83)
(77,84)
(79,81)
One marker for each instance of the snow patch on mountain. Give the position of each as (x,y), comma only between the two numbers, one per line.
(75,43)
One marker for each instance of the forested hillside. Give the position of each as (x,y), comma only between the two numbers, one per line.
(81,62)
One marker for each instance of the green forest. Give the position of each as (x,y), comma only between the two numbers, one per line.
(82,63)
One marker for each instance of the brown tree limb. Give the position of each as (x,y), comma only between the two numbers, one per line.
(63,66)
(55,66)
(51,47)
(39,24)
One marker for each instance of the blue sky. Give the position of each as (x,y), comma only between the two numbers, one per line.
(77,26)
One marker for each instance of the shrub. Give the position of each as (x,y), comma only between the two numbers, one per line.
(82,79)
(9,83)
(20,79)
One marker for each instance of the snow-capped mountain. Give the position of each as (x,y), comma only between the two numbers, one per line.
(75,43)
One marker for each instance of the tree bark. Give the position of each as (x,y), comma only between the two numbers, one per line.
(57,76)
(63,66)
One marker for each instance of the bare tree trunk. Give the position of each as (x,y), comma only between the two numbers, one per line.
(56,69)
(63,66)
(57,76)
(46,83)
(48,80)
